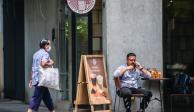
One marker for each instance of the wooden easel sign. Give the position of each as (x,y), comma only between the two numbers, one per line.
(92,85)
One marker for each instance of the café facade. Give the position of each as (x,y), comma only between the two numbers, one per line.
(152,29)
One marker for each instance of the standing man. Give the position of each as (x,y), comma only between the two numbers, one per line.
(41,59)
(129,75)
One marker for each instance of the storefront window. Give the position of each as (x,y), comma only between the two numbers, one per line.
(179,34)
(178,42)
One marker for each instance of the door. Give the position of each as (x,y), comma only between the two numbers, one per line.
(86,38)
(13,30)
(73,42)
(78,35)
(81,43)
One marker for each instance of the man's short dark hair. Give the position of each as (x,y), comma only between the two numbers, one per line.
(131,54)
(44,42)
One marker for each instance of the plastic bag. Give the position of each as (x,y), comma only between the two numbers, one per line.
(49,77)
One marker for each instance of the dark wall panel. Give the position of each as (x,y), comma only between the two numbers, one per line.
(14,77)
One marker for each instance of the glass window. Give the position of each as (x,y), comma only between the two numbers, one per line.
(179,35)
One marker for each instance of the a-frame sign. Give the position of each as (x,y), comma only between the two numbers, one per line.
(92,86)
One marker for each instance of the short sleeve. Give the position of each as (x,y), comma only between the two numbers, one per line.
(117,71)
(45,57)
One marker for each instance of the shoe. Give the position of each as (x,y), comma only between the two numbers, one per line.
(144,105)
(129,110)
(141,110)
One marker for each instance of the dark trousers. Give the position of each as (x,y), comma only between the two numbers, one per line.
(41,93)
(126,94)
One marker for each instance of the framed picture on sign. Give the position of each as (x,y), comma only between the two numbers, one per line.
(97,79)
(92,85)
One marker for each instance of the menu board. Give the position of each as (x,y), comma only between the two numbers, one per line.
(92,81)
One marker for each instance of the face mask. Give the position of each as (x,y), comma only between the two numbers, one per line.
(49,49)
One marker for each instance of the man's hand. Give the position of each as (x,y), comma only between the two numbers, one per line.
(130,67)
(138,65)
(123,70)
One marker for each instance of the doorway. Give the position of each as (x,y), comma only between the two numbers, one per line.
(87,40)
(78,35)
(178,42)
(13,30)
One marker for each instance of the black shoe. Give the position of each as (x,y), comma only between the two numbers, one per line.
(128,110)
(143,106)
(141,110)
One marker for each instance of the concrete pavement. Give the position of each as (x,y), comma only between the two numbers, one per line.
(7,105)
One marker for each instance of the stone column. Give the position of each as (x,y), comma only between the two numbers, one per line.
(133,26)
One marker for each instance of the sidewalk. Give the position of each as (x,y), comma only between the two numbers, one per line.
(7,105)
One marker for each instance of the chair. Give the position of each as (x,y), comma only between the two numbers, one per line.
(118,86)
(180,95)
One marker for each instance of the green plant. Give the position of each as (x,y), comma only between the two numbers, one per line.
(82,28)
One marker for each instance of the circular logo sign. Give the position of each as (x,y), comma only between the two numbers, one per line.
(81,6)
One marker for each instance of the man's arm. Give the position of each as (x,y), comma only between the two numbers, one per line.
(143,70)
(146,72)
(121,70)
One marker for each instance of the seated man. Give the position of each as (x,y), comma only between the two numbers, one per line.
(129,75)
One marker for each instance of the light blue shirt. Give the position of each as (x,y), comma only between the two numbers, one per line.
(131,78)
(37,58)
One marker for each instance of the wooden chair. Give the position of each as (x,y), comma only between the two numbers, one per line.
(118,86)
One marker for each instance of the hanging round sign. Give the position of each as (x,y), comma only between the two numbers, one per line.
(81,6)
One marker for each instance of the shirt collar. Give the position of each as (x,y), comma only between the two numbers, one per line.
(42,50)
